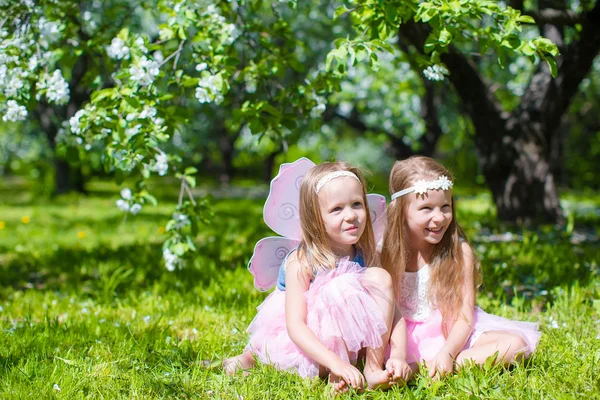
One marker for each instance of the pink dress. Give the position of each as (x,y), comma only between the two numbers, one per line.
(424,323)
(341,312)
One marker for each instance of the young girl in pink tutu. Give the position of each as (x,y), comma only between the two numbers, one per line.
(331,299)
(435,274)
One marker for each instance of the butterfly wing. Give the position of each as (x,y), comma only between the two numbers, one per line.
(281,208)
(378,215)
(268,255)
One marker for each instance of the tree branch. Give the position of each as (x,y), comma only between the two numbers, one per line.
(556,17)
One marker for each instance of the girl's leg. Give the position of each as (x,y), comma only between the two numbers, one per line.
(375,374)
(509,346)
(239,362)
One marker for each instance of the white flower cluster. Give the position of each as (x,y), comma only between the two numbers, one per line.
(49,31)
(171,260)
(125,205)
(228,32)
(139,42)
(144,71)
(75,121)
(14,112)
(435,73)
(11,79)
(209,89)
(57,88)
(422,186)
(161,166)
(118,50)
(181,220)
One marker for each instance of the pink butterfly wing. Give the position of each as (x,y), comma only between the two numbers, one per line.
(268,255)
(281,208)
(378,215)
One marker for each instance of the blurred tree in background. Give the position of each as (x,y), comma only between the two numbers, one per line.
(132,90)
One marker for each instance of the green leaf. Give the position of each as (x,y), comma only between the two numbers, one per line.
(553,67)
(526,19)
(180,249)
(391,13)
(190,170)
(340,11)
(101,94)
(445,37)
(191,181)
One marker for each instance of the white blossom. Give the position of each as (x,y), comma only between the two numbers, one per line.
(181,220)
(139,42)
(319,109)
(171,260)
(75,123)
(144,71)
(14,112)
(117,49)
(123,205)
(161,166)
(148,112)
(201,66)
(13,85)
(209,89)
(435,73)
(136,208)
(129,132)
(126,193)
(49,31)
(202,95)
(57,88)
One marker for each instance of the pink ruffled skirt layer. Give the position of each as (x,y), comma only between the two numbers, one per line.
(425,339)
(341,312)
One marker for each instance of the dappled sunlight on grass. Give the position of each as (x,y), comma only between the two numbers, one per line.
(87,304)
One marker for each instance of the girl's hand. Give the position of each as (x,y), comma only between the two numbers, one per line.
(442,364)
(398,369)
(349,374)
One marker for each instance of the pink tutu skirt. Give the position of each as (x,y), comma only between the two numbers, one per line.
(425,339)
(341,312)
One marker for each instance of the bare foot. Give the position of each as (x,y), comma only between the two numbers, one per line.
(378,379)
(338,385)
(239,362)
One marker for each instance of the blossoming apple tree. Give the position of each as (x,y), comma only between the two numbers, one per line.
(122,76)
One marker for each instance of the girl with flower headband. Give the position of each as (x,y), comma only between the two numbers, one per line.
(332,300)
(436,273)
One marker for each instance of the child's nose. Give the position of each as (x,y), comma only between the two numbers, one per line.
(438,215)
(350,215)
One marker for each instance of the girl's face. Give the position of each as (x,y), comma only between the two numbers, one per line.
(343,212)
(428,216)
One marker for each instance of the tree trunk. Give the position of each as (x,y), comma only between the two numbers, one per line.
(514,149)
(226,145)
(269,164)
(50,118)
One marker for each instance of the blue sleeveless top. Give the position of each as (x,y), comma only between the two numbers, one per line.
(358,258)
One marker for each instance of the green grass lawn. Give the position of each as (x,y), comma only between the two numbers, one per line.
(88,310)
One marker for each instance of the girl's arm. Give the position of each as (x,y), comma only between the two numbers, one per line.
(462,328)
(398,338)
(296,284)
(397,365)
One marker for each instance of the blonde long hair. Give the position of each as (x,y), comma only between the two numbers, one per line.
(314,250)
(447,272)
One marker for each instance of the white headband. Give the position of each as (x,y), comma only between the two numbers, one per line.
(333,175)
(422,186)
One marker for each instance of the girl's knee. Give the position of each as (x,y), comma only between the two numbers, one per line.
(379,276)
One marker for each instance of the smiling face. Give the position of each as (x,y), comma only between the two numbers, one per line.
(428,216)
(343,212)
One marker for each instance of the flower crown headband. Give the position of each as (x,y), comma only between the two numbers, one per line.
(422,186)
